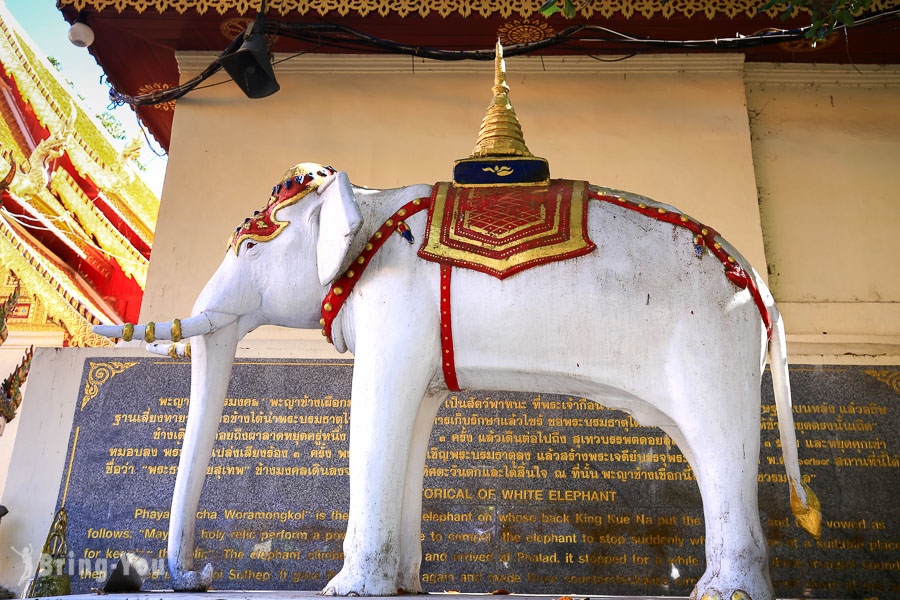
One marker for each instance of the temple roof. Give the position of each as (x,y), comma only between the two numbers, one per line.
(136,40)
(77,221)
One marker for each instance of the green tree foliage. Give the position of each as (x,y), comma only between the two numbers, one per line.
(112,125)
(109,121)
(826,15)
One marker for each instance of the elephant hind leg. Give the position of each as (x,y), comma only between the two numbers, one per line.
(724,454)
(408,578)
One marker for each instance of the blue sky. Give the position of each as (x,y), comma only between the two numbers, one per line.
(45,25)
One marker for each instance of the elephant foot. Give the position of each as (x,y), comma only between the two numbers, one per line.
(744,587)
(713,594)
(351,582)
(408,581)
(192,581)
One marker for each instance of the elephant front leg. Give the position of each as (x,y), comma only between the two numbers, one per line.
(210,372)
(411,520)
(386,400)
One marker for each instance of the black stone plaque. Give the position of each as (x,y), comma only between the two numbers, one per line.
(523,492)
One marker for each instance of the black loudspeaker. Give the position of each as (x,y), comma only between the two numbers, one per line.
(250,66)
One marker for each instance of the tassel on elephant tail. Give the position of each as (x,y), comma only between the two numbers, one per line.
(809,515)
(175,330)
(171,349)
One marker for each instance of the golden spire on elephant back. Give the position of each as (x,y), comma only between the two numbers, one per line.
(500,157)
(501,133)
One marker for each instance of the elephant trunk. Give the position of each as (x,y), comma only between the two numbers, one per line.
(211,362)
(202,324)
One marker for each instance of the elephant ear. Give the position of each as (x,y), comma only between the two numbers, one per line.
(339,222)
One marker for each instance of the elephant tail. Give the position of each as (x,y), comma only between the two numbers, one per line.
(804,503)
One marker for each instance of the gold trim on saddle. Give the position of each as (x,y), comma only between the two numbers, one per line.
(501,231)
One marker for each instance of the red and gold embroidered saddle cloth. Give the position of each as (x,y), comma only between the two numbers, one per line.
(506,229)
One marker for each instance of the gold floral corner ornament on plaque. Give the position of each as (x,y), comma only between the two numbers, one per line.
(100,373)
(888,376)
(47,580)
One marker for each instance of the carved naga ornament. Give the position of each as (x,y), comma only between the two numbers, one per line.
(31,176)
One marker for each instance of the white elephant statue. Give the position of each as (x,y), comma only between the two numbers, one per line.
(647,323)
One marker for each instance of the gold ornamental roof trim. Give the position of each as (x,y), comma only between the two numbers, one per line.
(485,8)
(113,243)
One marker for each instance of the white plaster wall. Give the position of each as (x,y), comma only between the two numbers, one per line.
(826,149)
(36,464)
(671,127)
(11,354)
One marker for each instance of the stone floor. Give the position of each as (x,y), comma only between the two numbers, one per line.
(268,595)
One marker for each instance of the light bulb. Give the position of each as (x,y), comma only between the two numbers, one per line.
(81,34)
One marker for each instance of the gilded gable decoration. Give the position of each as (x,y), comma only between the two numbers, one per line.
(92,154)
(76,220)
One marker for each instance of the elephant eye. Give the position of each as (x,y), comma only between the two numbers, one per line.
(250,245)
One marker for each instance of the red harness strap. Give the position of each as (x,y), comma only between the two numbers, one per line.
(342,287)
(448,362)
(704,237)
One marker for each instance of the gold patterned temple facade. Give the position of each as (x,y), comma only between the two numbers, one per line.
(77,221)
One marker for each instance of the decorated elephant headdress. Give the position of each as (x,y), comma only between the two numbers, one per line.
(295,184)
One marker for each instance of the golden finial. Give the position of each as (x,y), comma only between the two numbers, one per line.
(501,134)
(500,85)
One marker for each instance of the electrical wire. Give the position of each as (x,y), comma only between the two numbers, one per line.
(48,217)
(577,38)
(58,219)
(173,93)
(143,131)
(292,56)
(621,58)
(87,241)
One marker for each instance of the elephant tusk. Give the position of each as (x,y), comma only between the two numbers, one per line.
(170,349)
(175,330)
(114,331)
